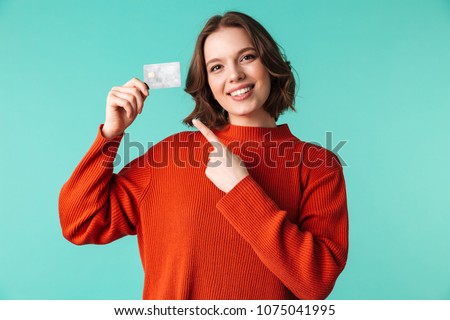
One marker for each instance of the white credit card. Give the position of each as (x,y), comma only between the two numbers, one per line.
(162,75)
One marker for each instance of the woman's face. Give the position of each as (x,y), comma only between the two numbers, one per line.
(237,78)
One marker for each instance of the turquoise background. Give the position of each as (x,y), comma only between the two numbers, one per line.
(374,73)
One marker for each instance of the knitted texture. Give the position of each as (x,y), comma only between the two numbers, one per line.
(280,233)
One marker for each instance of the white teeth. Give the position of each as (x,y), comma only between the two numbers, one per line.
(240,91)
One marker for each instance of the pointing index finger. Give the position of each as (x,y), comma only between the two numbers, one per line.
(207,133)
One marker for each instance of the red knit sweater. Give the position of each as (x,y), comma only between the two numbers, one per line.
(280,233)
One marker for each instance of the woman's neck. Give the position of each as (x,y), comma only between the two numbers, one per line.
(262,120)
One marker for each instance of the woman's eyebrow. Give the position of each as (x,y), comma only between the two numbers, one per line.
(238,53)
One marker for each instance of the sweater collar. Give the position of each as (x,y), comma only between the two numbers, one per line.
(244,133)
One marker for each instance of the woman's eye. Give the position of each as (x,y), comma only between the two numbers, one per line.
(215,68)
(248,57)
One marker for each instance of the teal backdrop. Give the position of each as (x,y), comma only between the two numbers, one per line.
(374,74)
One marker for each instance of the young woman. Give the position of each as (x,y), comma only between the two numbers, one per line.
(240,209)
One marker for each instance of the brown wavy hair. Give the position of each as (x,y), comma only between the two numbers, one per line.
(282,91)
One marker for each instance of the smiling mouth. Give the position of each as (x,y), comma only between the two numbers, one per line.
(242,91)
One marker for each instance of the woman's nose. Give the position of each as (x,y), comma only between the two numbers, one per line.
(236,74)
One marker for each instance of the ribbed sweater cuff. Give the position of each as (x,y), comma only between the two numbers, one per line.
(248,208)
(108,147)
